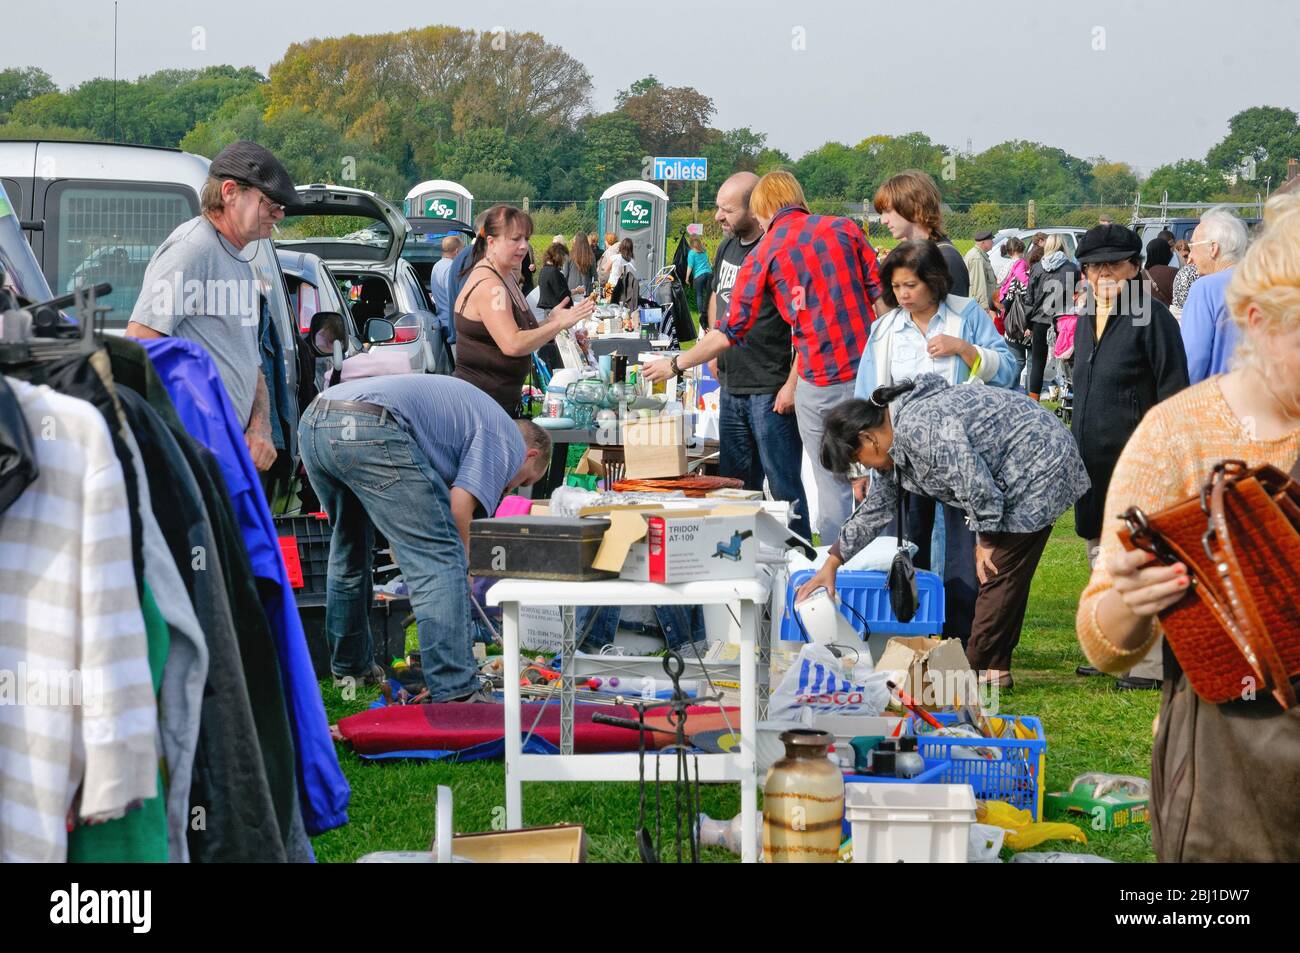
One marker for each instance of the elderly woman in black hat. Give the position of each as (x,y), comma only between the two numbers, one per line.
(1128,356)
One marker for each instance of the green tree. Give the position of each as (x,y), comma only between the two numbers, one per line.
(610,152)
(19,84)
(1260,140)
(488,187)
(155,110)
(673,120)
(1015,172)
(1114,183)
(639,88)
(1188,180)
(833,171)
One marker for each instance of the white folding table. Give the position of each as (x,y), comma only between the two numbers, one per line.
(747,628)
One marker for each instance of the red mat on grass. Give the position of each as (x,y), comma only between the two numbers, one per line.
(453,726)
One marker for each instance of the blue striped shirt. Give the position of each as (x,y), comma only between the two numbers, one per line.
(468,439)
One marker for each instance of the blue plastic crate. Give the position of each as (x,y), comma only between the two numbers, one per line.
(934,769)
(867,592)
(1016,777)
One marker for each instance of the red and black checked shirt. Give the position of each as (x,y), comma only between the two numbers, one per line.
(821,273)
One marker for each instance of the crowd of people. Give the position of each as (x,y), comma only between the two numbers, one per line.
(918,377)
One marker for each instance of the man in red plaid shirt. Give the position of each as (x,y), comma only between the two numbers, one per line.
(821,273)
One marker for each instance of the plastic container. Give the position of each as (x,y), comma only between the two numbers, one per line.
(1016,777)
(867,592)
(933,774)
(912,823)
(305,546)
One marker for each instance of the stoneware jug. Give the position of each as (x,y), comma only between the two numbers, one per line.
(803,801)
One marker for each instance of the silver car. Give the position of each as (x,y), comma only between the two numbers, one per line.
(1002,265)
(363,251)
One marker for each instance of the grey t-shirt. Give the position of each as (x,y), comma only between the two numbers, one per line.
(200,287)
(468,439)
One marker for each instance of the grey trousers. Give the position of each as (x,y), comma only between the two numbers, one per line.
(834,499)
(1153,663)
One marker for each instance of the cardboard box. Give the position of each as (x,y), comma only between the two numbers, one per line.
(937,671)
(654,448)
(1110,812)
(678,545)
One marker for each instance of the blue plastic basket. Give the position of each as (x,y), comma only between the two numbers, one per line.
(934,769)
(867,592)
(1016,777)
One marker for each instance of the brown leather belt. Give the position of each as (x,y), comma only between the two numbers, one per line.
(351,407)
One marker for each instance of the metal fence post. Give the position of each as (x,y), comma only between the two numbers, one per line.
(1030,221)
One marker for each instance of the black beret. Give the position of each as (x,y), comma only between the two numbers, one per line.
(249,163)
(983,236)
(1108,243)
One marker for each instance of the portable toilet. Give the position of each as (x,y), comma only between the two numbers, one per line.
(439,198)
(638,210)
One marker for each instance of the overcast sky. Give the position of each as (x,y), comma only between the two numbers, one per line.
(1142,81)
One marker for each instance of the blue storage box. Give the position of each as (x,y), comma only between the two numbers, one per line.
(866,591)
(1016,777)
(934,771)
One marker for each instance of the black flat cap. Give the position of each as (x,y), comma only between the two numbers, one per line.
(1108,243)
(249,163)
(984,236)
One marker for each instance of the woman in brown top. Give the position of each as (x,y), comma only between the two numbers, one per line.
(496,332)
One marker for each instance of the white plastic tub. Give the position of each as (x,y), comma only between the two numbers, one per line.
(916,823)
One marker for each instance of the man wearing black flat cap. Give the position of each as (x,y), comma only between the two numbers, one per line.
(983,280)
(1128,356)
(200,283)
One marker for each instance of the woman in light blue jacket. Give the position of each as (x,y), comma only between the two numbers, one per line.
(929,331)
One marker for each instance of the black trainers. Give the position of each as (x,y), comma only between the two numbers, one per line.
(1087,671)
(1128,684)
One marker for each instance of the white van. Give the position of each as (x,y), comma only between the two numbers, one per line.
(96,211)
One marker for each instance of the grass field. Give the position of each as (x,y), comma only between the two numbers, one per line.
(1090,727)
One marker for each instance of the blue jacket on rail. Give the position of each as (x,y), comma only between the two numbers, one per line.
(191,379)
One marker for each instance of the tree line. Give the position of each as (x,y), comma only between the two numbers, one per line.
(510,115)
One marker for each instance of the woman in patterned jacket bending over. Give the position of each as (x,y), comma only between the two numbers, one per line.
(1003,460)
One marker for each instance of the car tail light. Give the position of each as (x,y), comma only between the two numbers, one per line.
(406,329)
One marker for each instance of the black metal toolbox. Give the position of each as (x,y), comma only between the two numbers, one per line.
(537,547)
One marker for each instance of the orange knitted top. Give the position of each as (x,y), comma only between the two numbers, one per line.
(1166,461)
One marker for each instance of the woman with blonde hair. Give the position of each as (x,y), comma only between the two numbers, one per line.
(1238,760)
(1052,283)
(820,273)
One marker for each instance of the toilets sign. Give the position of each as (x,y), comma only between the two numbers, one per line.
(681,168)
(633,214)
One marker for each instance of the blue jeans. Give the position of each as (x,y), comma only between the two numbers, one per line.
(754,440)
(681,625)
(368,472)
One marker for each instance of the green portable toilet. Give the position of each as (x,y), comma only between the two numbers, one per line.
(638,210)
(439,198)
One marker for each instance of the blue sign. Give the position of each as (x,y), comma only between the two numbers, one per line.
(681,169)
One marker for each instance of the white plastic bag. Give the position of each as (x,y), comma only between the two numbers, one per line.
(820,682)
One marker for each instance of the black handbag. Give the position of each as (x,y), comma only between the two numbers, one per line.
(902,574)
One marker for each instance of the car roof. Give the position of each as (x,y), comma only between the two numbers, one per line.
(110,161)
